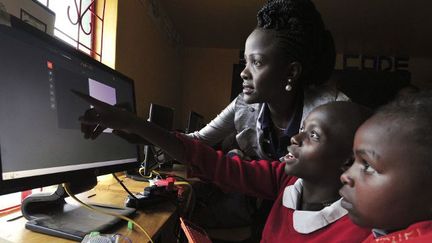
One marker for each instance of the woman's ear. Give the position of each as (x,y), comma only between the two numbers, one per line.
(294,70)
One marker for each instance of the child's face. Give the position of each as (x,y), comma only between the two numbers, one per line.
(265,74)
(385,187)
(315,152)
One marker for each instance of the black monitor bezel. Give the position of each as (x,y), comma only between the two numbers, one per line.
(159,115)
(197,117)
(27,183)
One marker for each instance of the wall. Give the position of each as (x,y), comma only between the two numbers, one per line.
(207,77)
(186,79)
(145,53)
(419,67)
(109,29)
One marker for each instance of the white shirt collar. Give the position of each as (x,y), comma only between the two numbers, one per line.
(306,222)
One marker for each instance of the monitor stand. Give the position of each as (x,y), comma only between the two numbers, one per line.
(150,161)
(51,214)
(135,175)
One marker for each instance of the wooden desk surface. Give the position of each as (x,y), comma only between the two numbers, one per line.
(153,219)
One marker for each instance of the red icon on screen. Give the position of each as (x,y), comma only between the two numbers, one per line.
(50,65)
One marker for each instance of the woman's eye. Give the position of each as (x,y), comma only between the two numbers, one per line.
(301,129)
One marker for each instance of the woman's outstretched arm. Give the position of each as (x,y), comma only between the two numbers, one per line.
(257,178)
(102,116)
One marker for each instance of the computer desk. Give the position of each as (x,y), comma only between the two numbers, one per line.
(160,221)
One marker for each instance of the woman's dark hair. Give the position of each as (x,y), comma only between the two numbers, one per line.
(302,35)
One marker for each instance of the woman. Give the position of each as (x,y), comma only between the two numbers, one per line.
(288,57)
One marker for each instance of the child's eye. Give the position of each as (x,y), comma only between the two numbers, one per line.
(366,168)
(256,63)
(314,135)
(301,129)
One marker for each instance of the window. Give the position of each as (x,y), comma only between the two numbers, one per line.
(80,23)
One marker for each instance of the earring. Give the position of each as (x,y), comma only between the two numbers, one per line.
(288,87)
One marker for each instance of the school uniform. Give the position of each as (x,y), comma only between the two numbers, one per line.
(420,232)
(268,180)
(247,130)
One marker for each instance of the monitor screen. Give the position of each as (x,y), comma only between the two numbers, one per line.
(164,117)
(40,138)
(195,122)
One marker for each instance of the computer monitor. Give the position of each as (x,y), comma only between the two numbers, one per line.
(195,122)
(40,139)
(161,115)
(154,156)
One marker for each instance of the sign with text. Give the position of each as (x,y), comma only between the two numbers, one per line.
(374,63)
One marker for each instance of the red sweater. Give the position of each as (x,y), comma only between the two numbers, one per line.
(416,233)
(266,180)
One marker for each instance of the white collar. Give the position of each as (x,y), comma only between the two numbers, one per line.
(306,222)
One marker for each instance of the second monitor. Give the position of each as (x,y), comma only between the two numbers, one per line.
(154,156)
(195,122)
(163,116)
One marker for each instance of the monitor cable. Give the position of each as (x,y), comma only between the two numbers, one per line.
(124,187)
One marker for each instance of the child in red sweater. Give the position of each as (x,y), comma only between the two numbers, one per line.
(389,186)
(305,210)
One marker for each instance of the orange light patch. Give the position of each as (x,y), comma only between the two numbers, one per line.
(50,65)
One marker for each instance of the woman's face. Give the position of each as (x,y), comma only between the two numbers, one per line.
(267,71)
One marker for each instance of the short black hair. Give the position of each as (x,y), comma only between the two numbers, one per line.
(413,111)
(304,38)
(348,116)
